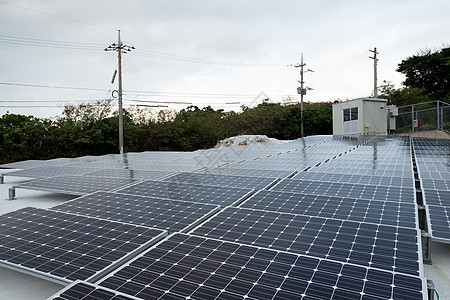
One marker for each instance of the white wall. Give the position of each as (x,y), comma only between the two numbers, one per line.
(371,113)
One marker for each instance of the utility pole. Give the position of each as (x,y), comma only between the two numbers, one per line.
(120,48)
(301,90)
(375,59)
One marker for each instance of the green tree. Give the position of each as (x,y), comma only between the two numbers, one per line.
(430,71)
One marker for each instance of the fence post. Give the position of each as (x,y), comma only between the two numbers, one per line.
(438,118)
(412,117)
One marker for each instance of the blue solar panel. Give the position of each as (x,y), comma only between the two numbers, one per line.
(75,185)
(171,215)
(439,219)
(385,193)
(362,210)
(384,247)
(66,247)
(189,192)
(223,180)
(190,267)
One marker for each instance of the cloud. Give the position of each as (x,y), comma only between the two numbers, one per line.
(197,46)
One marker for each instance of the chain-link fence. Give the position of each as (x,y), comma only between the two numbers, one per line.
(434,115)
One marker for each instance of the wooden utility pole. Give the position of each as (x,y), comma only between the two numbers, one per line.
(120,48)
(375,59)
(301,90)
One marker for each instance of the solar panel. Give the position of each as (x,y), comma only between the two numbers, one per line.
(379,246)
(75,185)
(51,171)
(65,247)
(247,172)
(356,179)
(27,164)
(385,193)
(439,222)
(223,180)
(89,291)
(190,267)
(130,174)
(435,197)
(361,210)
(172,215)
(189,192)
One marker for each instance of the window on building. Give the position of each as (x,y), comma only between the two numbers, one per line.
(350,114)
(346,114)
(354,113)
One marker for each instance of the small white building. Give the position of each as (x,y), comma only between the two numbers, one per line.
(360,116)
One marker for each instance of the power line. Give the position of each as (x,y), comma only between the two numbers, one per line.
(130,32)
(174,57)
(25,41)
(51,86)
(52,101)
(55,16)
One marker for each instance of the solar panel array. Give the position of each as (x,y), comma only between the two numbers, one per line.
(51,171)
(75,185)
(371,192)
(325,217)
(188,192)
(342,208)
(223,180)
(383,247)
(171,215)
(433,163)
(191,267)
(68,247)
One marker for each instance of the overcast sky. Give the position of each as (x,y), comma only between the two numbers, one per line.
(188,50)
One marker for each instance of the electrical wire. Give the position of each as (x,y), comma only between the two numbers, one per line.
(25,41)
(161,55)
(55,16)
(51,86)
(52,101)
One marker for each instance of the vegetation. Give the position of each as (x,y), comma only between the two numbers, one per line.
(92,129)
(427,79)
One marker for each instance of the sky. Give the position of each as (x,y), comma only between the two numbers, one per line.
(222,53)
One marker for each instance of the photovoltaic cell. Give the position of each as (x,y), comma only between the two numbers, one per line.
(89,291)
(383,247)
(361,210)
(188,192)
(172,215)
(190,267)
(75,185)
(222,180)
(385,193)
(68,247)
